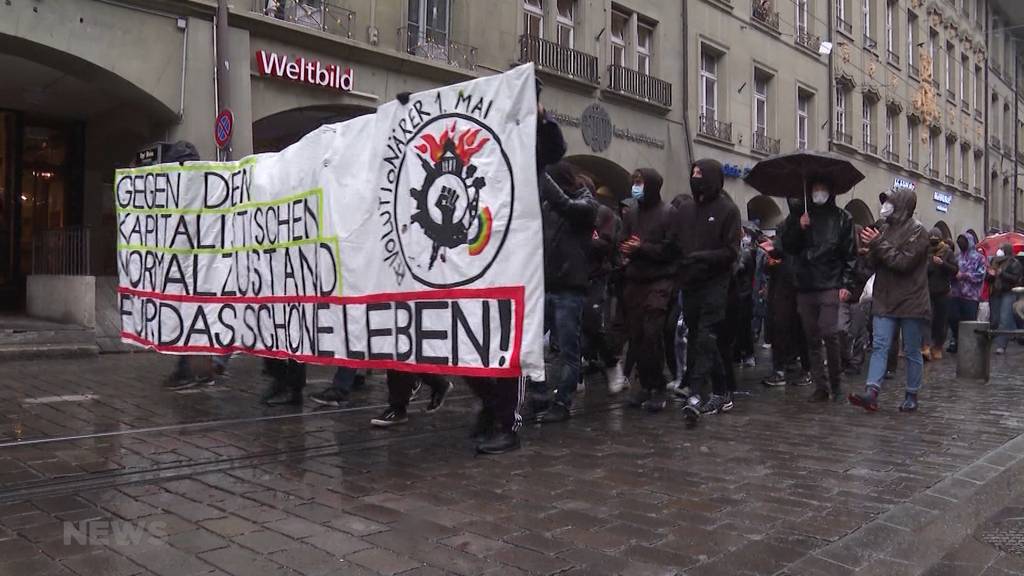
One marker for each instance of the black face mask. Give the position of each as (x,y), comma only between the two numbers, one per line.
(698,186)
(962,244)
(935,241)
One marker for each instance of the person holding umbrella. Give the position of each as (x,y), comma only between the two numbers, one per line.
(817,239)
(898,252)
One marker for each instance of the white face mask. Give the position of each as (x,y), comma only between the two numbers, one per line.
(887,210)
(819,197)
(1000,253)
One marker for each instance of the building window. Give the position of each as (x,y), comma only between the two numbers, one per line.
(566,23)
(890,27)
(644,41)
(979,89)
(428,27)
(950,70)
(979,15)
(841,9)
(620,27)
(911,39)
(708,85)
(950,156)
(867,112)
(840,112)
(963,166)
(912,144)
(933,153)
(868,28)
(933,38)
(760,102)
(533,18)
(977,173)
(890,134)
(801,17)
(803,119)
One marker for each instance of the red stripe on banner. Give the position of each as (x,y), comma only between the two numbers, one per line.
(514,293)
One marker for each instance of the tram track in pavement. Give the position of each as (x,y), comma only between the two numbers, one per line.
(65,485)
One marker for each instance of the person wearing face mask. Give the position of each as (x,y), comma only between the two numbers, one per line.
(648,254)
(708,238)
(1004,274)
(942,268)
(569,211)
(819,242)
(898,253)
(965,292)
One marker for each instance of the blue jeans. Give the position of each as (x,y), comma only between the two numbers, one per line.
(1001,311)
(563,313)
(885,329)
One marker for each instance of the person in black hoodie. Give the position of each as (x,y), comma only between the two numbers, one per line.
(648,253)
(819,241)
(569,212)
(708,241)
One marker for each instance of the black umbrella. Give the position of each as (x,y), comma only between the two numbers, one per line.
(788,175)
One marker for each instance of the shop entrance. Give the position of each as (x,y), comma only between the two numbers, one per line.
(41,171)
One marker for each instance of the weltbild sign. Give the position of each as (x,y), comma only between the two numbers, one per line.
(303,70)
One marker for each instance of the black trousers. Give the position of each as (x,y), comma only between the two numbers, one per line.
(597,345)
(743,326)
(288,373)
(940,320)
(401,384)
(502,399)
(704,310)
(647,307)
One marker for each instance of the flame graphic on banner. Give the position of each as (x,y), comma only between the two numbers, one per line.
(466,144)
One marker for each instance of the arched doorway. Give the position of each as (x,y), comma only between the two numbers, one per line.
(764,211)
(861,213)
(278,131)
(612,180)
(944,228)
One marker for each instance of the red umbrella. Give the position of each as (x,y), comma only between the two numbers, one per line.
(989,245)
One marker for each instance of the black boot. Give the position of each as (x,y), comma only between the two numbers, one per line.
(499,443)
(282,395)
(484,427)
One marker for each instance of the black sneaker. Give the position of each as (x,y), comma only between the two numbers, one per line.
(437,397)
(801,381)
(415,391)
(556,413)
(776,379)
(390,417)
(656,403)
(284,397)
(637,399)
(819,395)
(691,411)
(499,443)
(330,397)
(713,405)
(728,404)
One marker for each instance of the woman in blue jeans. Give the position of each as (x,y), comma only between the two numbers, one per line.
(898,253)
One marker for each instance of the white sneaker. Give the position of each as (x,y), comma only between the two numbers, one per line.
(673,385)
(616,379)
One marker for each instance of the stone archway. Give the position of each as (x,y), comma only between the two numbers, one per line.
(764,211)
(861,213)
(278,131)
(612,180)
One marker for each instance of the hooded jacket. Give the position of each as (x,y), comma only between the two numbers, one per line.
(899,256)
(604,243)
(1008,272)
(651,221)
(940,275)
(569,215)
(971,276)
(707,229)
(824,255)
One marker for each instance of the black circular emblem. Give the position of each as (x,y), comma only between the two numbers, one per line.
(597,128)
(453,201)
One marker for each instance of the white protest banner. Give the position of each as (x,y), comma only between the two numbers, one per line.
(406,239)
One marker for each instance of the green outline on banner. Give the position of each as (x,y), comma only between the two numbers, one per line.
(319,192)
(190,167)
(232,250)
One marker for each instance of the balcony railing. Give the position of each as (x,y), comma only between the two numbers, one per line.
(894,58)
(317,14)
(914,70)
(808,40)
(1007,148)
(978,114)
(435,46)
(870,43)
(965,105)
(996,67)
(843,25)
(977,190)
(844,137)
(932,173)
(551,56)
(963,185)
(62,251)
(935,83)
(950,180)
(762,12)
(891,156)
(712,128)
(994,142)
(764,144)
(914,165)
(870,148)
(950,95)
(640,85)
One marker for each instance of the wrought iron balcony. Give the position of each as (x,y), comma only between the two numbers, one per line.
(439,47)
(996,67)
(891,156)
(914,165)
(808,40)
(978,114)
(977,190)
(843,25)
(963,185)
(844,137)
(950,95)
(965,105)
(764,144)
(870,148)
(712,128)
(1008,148)
(994,142)
(317,14)
(893,57)
(914,70)
(640,85)
(870,43)
(932,173)
(950,180)
(762,12)
(551,56)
